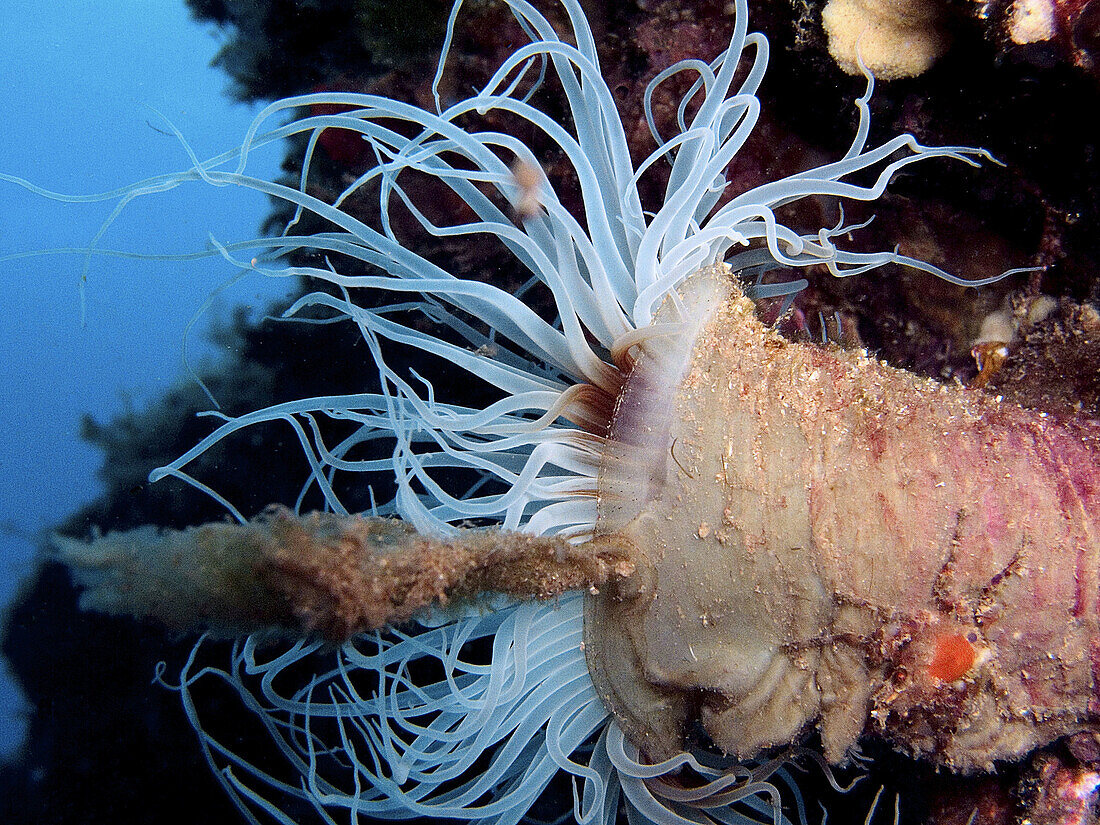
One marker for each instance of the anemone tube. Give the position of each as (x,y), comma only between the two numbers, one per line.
(591,442)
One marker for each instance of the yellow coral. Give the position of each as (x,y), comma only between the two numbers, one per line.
(893,38)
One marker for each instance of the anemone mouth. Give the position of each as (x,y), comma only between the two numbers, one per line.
(703,473)
(638,457)
(639,450)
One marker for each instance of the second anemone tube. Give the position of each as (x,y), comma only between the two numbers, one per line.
(470,712)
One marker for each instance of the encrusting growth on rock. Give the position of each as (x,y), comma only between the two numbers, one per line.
(322,573)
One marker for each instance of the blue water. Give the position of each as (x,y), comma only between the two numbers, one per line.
(79,84)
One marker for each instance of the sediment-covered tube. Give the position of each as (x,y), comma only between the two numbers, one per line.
(322,573)
(827,540)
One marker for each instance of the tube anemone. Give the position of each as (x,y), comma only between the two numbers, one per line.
(470,712)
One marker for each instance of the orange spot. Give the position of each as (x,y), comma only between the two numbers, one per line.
(954,656)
